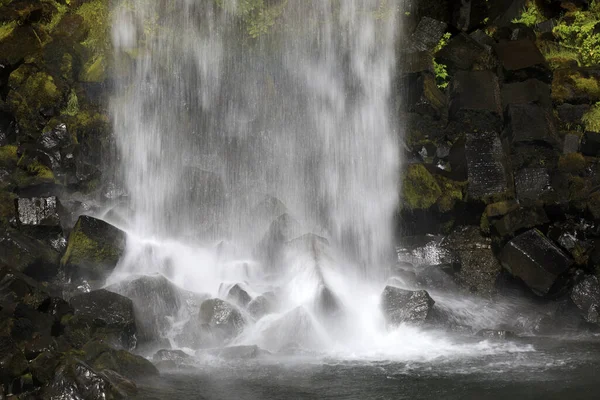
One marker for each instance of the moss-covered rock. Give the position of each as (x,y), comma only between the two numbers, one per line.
(576,85)
(452,192)
(420,190)
(93,249)
(573,163)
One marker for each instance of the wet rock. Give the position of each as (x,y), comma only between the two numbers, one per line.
(521,60)
(8,128)
(531,183)
(262,305)
(535,260)
(496,334)
(21,42)
(12,361)
(571,144)
(29,323)
(531,123)
(100,356)
(78,380)
(238,296)
(486,162)
(475,101)
(401,306)
(222,318)
(438,277)
(519,219)
(421,250)
(424,97)
(472,256)
(327,303)
(38,214)
(531,91)
(427,34)
(240,352)
(93,250)
(590,144)
(43,366)
(155,300)
(58,148)
(28,255)
(586,296)
(416,62)
(16,287)
(460,53)
(102,314)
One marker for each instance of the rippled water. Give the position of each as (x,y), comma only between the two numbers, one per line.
(536,369)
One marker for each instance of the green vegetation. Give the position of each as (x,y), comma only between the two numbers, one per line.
(591,119)
(6,29)
(72,104)
(531,15)
(441,72)
(577,30)
(96,14)
(452,192)
(419,188)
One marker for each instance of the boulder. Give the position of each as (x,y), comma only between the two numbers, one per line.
(401,306)
(535,260)
(531,91)
(38,214)
(486,163)
(427,35)
(473,258)
(586,296)
(105,315)
(28,255)
(281,230)
(531,123)
(93,250)
(221,317)
(178,356)
(262,305)
(475,102)
(590,144)
(238,296)
(518,219)
(460,53)
(8,128)
(43,366)
(12,361)
(101,357)
(423,96)
(521,60)
(531,183)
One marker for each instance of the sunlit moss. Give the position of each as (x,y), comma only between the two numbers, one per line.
(591,119)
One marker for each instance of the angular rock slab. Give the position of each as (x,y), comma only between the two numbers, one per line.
(401,306)
(531,123)
(485,165)
(521,59)
(38,211)
(531,183)
(461,52)
(475,100)
(531,91)
(427,34)
(535,260)
(586,296)
(93,249)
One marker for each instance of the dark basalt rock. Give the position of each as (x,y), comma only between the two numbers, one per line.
(486,165)
(531,183)
(571,114)
(461,52)
(178,356)
(262,305)
(571,144)
(103,314)
(475,102)
(590,144)
(427,34)
(223,318)
(238,296)
(519,219)
(472,256)
(12,361)
(466,15)
(586,296)
(424,97)
(28,255)
(16,287)
(57,149)
(531,91)
(100,356)
(93,250)
(406,307)
(535,260)
(521,60)
(531,123)
(38,214)
(8,127)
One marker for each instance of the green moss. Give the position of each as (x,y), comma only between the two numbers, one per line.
(420,189)
(72,107)
(39,170)
(94,70)
(7,206)
(96,13)
(452,192)
(568,84)
(81,250)
(531,15)
(484,224)
(8,156)
(6,29)
(591,119)
(577,29)
(61,10)
(573,163)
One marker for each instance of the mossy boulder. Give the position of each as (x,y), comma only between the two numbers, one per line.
(420,190)
(102,357)
(93,249)
(576,85)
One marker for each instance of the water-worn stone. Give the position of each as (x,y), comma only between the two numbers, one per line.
(460,53)
(531,183)
(103,314)
(281,230)
(586,296)
(427,34)
(223,318)
(93,250)
(475,101)
(521,60)
(485,165)
(531,123)
(467,14)
(478,268)
(401,306)
(57,147)
(535,260)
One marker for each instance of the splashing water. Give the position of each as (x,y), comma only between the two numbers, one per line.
(257,147)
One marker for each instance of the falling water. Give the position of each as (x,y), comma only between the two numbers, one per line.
(258,147)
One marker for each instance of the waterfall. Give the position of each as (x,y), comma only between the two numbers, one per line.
(245,125)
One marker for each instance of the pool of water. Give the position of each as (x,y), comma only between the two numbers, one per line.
(534,368)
